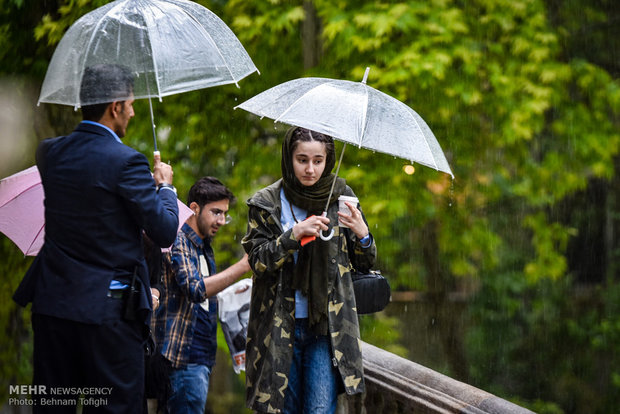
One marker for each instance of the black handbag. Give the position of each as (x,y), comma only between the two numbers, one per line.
(372,291)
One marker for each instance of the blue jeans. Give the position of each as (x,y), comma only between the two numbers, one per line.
(189,389)
(312,382)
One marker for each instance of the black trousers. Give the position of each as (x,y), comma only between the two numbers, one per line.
(99,367)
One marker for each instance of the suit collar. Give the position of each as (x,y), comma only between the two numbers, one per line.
(97,128)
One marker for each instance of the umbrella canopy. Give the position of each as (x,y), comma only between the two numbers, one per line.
(171,46)
(22,212)
(354,113)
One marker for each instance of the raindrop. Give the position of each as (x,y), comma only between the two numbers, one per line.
(406,308)
(433,321)
(233,163)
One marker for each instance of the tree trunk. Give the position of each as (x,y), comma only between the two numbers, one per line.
(311,36)
(447,315)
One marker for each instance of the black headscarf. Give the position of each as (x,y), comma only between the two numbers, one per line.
(311,273)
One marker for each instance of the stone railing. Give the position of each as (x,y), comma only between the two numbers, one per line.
(395,385)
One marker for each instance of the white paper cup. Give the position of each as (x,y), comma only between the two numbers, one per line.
(342,207)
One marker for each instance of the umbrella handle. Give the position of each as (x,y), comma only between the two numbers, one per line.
(331,233)
(329,236)
(156,157)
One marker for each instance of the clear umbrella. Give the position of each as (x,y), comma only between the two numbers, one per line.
(171,46)
(354,113)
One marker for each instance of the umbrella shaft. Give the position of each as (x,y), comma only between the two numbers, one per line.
(331,190)
(153,124)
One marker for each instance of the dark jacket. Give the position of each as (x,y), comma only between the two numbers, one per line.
(269,349)
(99,197)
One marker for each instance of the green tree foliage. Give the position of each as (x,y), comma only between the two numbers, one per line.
(524,99)
(15,349)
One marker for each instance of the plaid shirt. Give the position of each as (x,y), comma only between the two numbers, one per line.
(183,289)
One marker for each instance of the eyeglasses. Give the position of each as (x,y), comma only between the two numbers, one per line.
(217,213)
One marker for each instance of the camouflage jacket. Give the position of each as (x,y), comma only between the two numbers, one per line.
(269,349)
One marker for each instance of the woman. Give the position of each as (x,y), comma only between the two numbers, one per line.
(303,343)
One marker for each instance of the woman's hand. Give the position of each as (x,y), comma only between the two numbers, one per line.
(311,226)
(354,221)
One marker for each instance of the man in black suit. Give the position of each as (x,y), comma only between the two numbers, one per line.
(89,288)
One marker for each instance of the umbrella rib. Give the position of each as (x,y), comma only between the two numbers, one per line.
(293,104)
(364,116)
(202,29)
(87,50)
(425,139)
(34,239)
(21,193)
(365,112)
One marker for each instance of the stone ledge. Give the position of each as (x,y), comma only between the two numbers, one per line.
(397,385)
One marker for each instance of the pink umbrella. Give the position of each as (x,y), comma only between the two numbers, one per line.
(21,210)
(22,214)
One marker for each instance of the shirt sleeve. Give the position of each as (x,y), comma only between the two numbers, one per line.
(267,248)
(186,268)
(157,213)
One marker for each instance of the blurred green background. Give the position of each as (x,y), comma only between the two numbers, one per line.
(506,277)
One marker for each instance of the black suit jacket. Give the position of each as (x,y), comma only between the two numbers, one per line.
(99,197)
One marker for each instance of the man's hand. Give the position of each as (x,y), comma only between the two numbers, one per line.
(155,298)
(162,173)
(220,281)
(244,264)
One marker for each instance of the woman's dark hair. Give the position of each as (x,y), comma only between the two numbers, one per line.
(207,190)
(306,135)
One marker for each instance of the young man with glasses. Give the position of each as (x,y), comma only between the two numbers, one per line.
(185,326)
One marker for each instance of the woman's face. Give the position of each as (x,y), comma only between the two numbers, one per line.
(309,161)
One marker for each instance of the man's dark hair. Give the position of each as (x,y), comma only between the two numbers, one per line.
(101,85)
(207,190)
